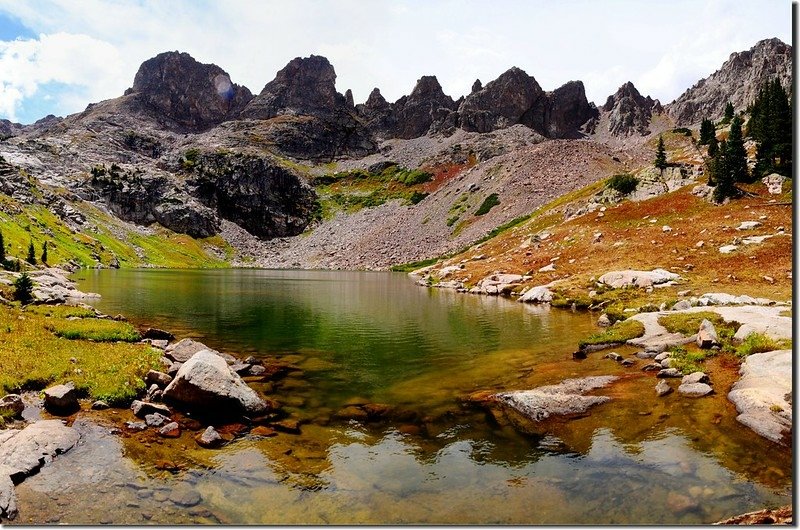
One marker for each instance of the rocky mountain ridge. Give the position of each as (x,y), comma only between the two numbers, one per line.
(208,157)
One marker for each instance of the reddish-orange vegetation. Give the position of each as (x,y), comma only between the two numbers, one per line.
(633,236)
(444,172)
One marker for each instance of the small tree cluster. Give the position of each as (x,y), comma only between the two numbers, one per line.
(728,115)
(729,165)
(770,126)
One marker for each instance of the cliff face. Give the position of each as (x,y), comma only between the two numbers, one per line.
(629,112)
(737,81)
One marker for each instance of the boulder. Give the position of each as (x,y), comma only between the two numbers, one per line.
(694,377)
(748,225)
(707,335)
(61,399)
(663,388)
(157,334)
(694,389)
(155,419)
(154,377)
(563,399)
(537,295)
(669,372)
(682,306)
(633,278)
(209,438)
(143,408)
(604,321)
(12,404)
(774,183)
(170,430)
(206,383)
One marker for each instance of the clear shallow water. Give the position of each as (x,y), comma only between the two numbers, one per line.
(378,337)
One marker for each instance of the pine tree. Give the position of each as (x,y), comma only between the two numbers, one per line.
(31,254)
(728,116)
(44,253)
(736,154)
(713,146)
(707,131)
(721,176)
(2,252)
(770,125)
(23,288)
(661,155)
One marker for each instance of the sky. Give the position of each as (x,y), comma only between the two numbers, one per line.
(57,56)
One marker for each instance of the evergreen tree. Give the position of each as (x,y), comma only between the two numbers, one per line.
(707,131)
(2,251)
(31,254)
(44,253)
(770,126)
(721,175)
(661,155)
(713,146)
(23,288)
(728,116)
(736,154)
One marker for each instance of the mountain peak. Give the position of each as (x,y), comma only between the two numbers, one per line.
(191,93)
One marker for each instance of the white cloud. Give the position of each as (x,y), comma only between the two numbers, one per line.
(85,64)
(94,47)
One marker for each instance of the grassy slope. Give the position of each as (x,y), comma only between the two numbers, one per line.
(133,247)
(642,244)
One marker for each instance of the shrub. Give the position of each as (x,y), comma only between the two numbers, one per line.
(410,177)
(417,197)
(623,183)
(758,343)
(488,203)
(682,130)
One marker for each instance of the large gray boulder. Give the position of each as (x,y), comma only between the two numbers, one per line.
(762,395)
(632,278)
(707,335)
(182,351)
(206,384)
(537,295)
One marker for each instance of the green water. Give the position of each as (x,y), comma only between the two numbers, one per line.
(378,337)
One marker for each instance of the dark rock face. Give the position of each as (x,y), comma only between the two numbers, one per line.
(510,99)
(144,199)
(305,116)
(568,110)
(193,94)
(426,104)
(630,112)
(264,198)
(737,81)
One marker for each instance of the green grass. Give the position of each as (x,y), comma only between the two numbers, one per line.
(94,329)
(620,332)
(414,265)
(759,343)
(60,311)
(689,323)
(689,361)
(32,358)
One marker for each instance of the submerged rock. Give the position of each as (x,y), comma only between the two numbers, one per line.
(206,383)
(209,438)
(563,399)
(663,388)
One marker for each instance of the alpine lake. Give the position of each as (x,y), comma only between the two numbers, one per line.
(378,338)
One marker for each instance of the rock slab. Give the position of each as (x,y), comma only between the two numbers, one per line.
(563,399)
(762,395)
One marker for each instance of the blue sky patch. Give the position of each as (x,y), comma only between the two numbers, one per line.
(11,29)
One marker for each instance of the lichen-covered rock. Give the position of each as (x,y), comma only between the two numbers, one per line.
(205,383)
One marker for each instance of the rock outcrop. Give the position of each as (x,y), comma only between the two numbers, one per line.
(192,94)
(738,81)
(417,112)
(378,115)
(763,395)
(568,111)
(514,97)
(629,112)
(305,116)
